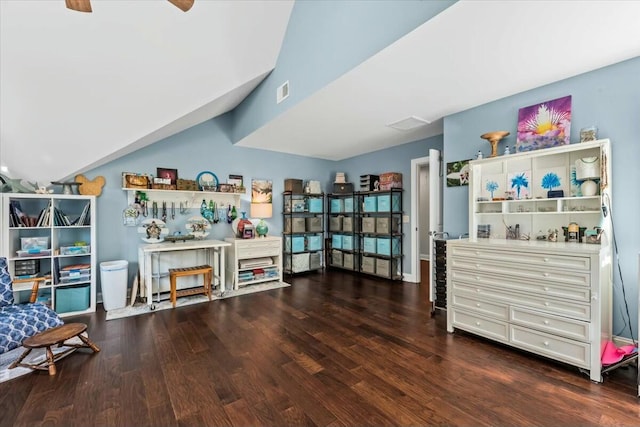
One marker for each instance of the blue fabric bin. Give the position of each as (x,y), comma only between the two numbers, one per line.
(369,245)
(336,241)
(388,203)
(315,205)
(371,203)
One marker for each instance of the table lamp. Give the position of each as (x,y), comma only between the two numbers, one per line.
(261,211)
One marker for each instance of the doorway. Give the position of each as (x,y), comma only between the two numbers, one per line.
(426,214)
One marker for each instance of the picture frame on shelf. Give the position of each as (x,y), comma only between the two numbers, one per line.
(166,173)
(238,183)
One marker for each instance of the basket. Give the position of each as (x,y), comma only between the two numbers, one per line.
(187,184)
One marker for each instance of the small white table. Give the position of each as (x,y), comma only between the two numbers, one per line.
(148,252)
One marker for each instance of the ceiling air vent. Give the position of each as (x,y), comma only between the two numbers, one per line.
(283,92)
(409,123)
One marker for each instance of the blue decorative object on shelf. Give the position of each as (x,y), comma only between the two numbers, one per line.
(207,181)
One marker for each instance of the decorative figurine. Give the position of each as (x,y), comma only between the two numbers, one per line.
(153,231)
(553,235)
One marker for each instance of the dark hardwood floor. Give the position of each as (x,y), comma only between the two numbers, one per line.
(333,349)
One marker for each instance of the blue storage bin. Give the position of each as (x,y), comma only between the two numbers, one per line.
(336,241)
(388,246)
(388,203)
(336,205)
(72,298)
(370,203)
(294,244)
(314,243)
(347,243)
(369,245)
(315,205)
(348,204)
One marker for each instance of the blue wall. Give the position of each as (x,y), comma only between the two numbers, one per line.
(609,98)
(204,147)
(324,40)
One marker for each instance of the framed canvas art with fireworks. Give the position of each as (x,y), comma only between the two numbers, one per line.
(544,125)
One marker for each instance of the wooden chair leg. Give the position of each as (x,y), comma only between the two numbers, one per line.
(173,290)
(87,342)
(21,358)
(51,361)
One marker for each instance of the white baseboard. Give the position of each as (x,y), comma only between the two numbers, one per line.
(410,278)
(622,340)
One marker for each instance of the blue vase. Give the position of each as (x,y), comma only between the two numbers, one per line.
(262,229)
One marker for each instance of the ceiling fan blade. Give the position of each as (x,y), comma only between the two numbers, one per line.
(183,5)
(79,5)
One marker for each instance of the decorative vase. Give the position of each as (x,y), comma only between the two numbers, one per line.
(261,228)
(494,138)
(241,223)
(589,188)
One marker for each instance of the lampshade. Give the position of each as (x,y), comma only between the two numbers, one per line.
(261,210)
(587,168)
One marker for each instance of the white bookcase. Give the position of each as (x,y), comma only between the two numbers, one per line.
(55,235)
(548,297)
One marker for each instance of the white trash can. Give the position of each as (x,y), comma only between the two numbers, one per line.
(113,276)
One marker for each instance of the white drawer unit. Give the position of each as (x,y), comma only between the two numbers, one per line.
(251,261)
(550,300)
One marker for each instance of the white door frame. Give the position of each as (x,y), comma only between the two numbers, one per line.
(415,221)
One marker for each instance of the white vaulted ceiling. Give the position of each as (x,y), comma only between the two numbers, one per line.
(76,91)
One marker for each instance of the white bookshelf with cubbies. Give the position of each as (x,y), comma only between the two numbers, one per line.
(51,237)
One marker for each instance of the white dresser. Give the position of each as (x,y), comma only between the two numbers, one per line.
(251,261)
(549,298)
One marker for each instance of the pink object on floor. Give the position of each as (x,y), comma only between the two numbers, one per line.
(613,354)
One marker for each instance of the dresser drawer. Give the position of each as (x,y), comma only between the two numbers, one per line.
(500,311)
(575,310)
(578,278)
(562,349)
(480,325)
(539,260)
(538,287)
(255,248)
(570,328)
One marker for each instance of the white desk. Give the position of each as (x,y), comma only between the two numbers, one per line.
(147,253)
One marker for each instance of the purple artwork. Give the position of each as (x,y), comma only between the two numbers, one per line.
(544,125)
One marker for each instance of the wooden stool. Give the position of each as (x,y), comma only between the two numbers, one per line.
(51,337)
(174,273)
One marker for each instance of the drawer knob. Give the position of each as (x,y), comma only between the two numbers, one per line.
(477,265)
(546,304)
(477,277)
(477,323)
(546,322)
(546,259)
(477,290)
(477,304)
(546,343)
(545,274)
(546,288)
